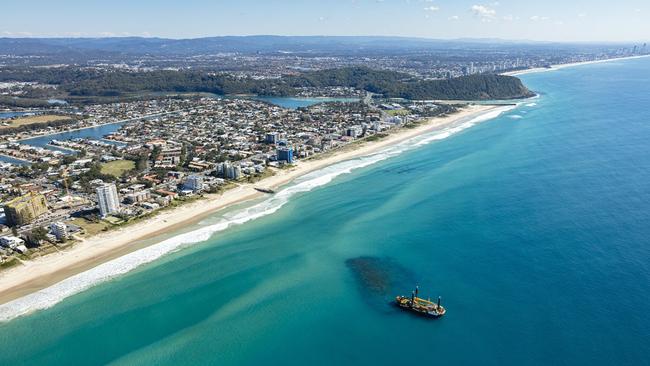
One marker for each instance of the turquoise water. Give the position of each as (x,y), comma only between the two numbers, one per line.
(533,227)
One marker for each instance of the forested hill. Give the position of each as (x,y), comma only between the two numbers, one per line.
(104,83)
(398,85)
(473,87)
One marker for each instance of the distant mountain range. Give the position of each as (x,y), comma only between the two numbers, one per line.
(255,44)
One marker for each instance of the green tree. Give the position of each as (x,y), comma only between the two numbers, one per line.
(36,237)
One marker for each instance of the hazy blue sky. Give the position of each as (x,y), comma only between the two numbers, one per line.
(568,20)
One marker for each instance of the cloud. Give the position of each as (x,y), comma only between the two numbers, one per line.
(483,12)
(537,18)
(432,8)
(17,34)
(454,17)
(508,18)
(73,34)
(582,15)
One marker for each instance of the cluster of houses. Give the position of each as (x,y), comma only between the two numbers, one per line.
(186,146)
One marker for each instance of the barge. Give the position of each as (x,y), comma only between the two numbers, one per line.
(420,306)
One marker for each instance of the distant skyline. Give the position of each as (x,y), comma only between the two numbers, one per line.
(552,20)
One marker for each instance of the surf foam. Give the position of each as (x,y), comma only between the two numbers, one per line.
(56,293)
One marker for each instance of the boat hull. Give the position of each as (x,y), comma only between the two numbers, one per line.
(420,307)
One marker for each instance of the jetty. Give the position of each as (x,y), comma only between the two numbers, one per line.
(265,190)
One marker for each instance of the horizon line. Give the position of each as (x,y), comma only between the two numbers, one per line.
(458,39)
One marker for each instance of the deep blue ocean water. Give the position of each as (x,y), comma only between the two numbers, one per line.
(533,227)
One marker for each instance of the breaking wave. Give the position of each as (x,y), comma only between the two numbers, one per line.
(54,294)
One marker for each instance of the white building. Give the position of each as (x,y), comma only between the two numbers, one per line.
(11,242)
(59,230)
(109,201)
(229,171)
(194,183)
(233,172)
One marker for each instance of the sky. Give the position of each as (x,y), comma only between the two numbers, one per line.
(540,20)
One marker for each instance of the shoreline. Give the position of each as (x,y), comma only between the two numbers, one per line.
(43,272)
(573,64)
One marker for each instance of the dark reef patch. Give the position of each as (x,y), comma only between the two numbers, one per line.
(380,279)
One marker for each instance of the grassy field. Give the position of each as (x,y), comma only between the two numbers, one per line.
(90,228)
(118,167)
(375,137)
(28,120)
(398,112)
(9,263)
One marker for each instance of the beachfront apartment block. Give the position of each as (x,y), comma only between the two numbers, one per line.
(229,170)
(193,183)
(232,172)
(59,230)
(285,154)
(109,201)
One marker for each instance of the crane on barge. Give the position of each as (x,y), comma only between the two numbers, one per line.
(420,306)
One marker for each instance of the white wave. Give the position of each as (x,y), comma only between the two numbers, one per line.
(515,116)
(54,294)
(531,105)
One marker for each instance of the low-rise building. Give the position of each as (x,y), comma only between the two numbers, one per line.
(11,242)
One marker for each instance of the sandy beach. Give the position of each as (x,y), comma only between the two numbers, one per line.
(43,272)
(563,66)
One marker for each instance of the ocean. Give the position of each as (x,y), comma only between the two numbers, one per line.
(532,226)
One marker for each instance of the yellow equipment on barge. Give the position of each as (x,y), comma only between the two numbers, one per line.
(420,306)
